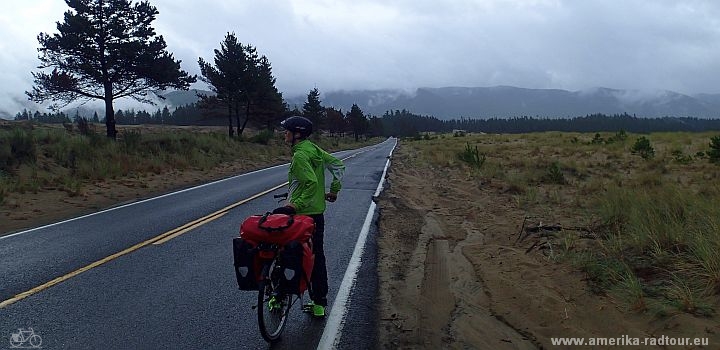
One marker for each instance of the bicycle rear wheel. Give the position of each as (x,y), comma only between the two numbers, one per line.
(273,305)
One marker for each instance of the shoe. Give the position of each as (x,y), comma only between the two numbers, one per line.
(274,304)
(308,308)
(314,309)
(318,311)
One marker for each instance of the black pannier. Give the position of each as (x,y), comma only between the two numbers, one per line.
(297,260)
(246,270)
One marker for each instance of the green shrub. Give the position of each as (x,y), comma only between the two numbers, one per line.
(83,126)
(472,156)
(681,158)
(4,186)
(642,146)
(6,158)
(714,152)
(263,137)
(131,139)
(22,147)
(554,174)
(597,140)
(621,136)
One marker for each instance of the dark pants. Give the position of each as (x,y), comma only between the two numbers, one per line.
(319,280)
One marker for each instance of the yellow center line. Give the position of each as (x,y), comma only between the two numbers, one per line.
(169,235)
(160,239)
(188,229)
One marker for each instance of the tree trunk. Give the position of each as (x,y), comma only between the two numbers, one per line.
(237,118)
(230,125)
(109,112)
(247,116)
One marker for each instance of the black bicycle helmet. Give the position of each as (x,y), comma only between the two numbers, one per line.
(298,124)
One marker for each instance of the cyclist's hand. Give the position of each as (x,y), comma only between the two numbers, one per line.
(331,197)
(287,210)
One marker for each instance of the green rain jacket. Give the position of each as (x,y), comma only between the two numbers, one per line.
(306,177)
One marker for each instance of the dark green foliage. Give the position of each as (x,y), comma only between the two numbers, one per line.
(105,49)
(554,174)
(376,126)
(16,147)
(263,137)
(313,109)
(405,123)
(131,139)
(242,80)
(621,135)
(642,146)
(714,152)
(335,121)
(680,157)
(83,126)
(597,140)
(358,122)
(472,156)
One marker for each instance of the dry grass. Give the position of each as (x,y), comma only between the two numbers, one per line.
(657,219)
(37,157)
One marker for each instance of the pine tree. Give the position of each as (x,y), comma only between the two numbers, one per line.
(224,78)
(105,49)
(270,106)
(358,122)
(313,109)
(335,120)
(165,116)
(241,78)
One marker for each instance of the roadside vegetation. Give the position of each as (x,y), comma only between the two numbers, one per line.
(36,157)
(637,213)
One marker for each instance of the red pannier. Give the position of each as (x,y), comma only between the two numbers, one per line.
(277,228)
(292,233)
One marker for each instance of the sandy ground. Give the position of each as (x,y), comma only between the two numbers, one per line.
(454,273)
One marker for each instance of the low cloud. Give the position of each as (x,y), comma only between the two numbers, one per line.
(346,45)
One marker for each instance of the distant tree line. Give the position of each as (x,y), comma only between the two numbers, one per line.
(401,123)
(405,123)
(183,115)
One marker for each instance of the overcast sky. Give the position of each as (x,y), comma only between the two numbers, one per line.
(355,44)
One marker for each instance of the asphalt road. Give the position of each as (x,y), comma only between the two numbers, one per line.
(180,293)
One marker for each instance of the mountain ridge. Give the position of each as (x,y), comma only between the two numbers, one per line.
(509,101)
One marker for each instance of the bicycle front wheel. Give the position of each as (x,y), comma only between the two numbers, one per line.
(273,306)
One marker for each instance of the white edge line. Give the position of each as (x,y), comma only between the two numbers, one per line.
(361,150)
(336,319)
(138,202)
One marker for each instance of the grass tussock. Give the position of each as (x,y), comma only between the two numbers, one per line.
(666,238)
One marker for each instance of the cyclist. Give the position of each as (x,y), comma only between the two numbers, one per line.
(306,179)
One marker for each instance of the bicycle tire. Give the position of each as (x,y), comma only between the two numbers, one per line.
(35,341)
(271,321)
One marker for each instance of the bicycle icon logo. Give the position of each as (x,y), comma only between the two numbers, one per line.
(25,339)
